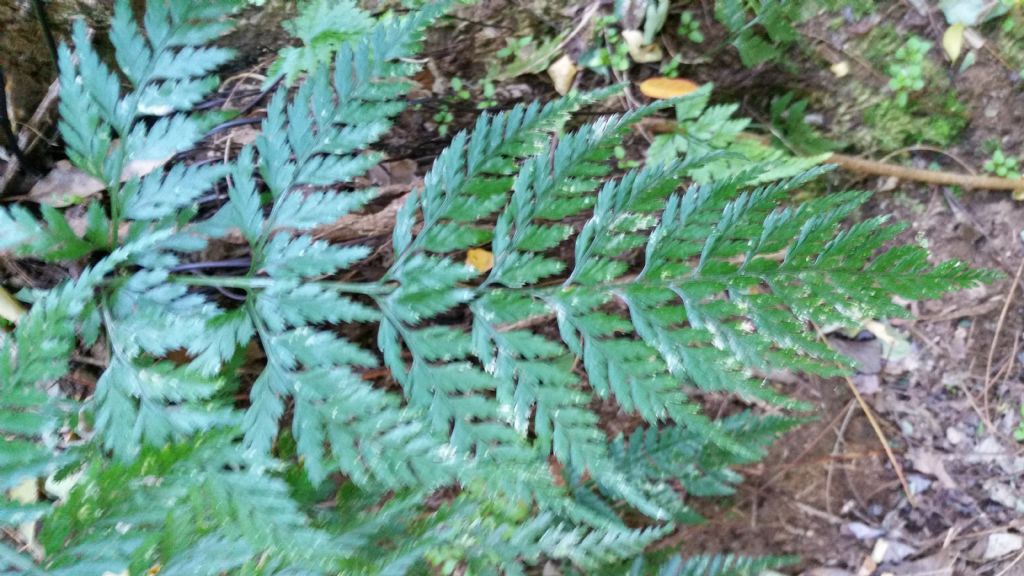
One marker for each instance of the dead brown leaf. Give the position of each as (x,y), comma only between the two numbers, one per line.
(10,309)
(562,73)
(931,463)
(66,185)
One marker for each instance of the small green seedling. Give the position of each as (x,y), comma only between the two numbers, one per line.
(513,47)
(1002,165)
(444,119)
(671,67)
(907,71)
(460,89)
(622,161)
(488,90)
(689,28)
(612,53)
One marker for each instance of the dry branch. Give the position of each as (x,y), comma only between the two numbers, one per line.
(31,133)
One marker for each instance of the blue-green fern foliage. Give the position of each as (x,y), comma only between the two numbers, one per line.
(236,428)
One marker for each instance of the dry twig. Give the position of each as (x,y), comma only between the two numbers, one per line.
(30,132)
(877,168)
(878,430)
(940,177)
(995,338)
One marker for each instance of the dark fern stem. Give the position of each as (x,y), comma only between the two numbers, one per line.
(44,23)
(5,122)
(233,263)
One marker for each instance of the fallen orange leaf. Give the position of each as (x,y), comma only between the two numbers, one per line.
(661,88)
(480,259)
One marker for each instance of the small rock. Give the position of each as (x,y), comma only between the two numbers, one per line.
(550,569)
(907,428)
(989,449)
(867,383)
(866,354)
(841,68)
(1004,495)
(862,531)
(1001,544)
(879,551)
(891,551)
(814,119)
(992,451)
(938,565)
(955,436)
(918,483)
(898,551)
(932,463)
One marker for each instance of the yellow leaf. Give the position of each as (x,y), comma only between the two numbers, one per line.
(953,41)
(10,309)
(562,73)
(480,259)
(26,492)
(660,87)
(841,68)
(638,51)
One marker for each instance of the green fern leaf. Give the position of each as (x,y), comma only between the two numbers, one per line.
(244,424)
(322,27)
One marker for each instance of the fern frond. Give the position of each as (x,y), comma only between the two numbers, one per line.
(687,456)
(482,447)
(540,194)
(322,26)
(466,184)
(703,130)
(39,351)
(12,562)
(169,69)
(318,138)
(470,179)
(213,501)
(775,17)
(512,544)
(718,565)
